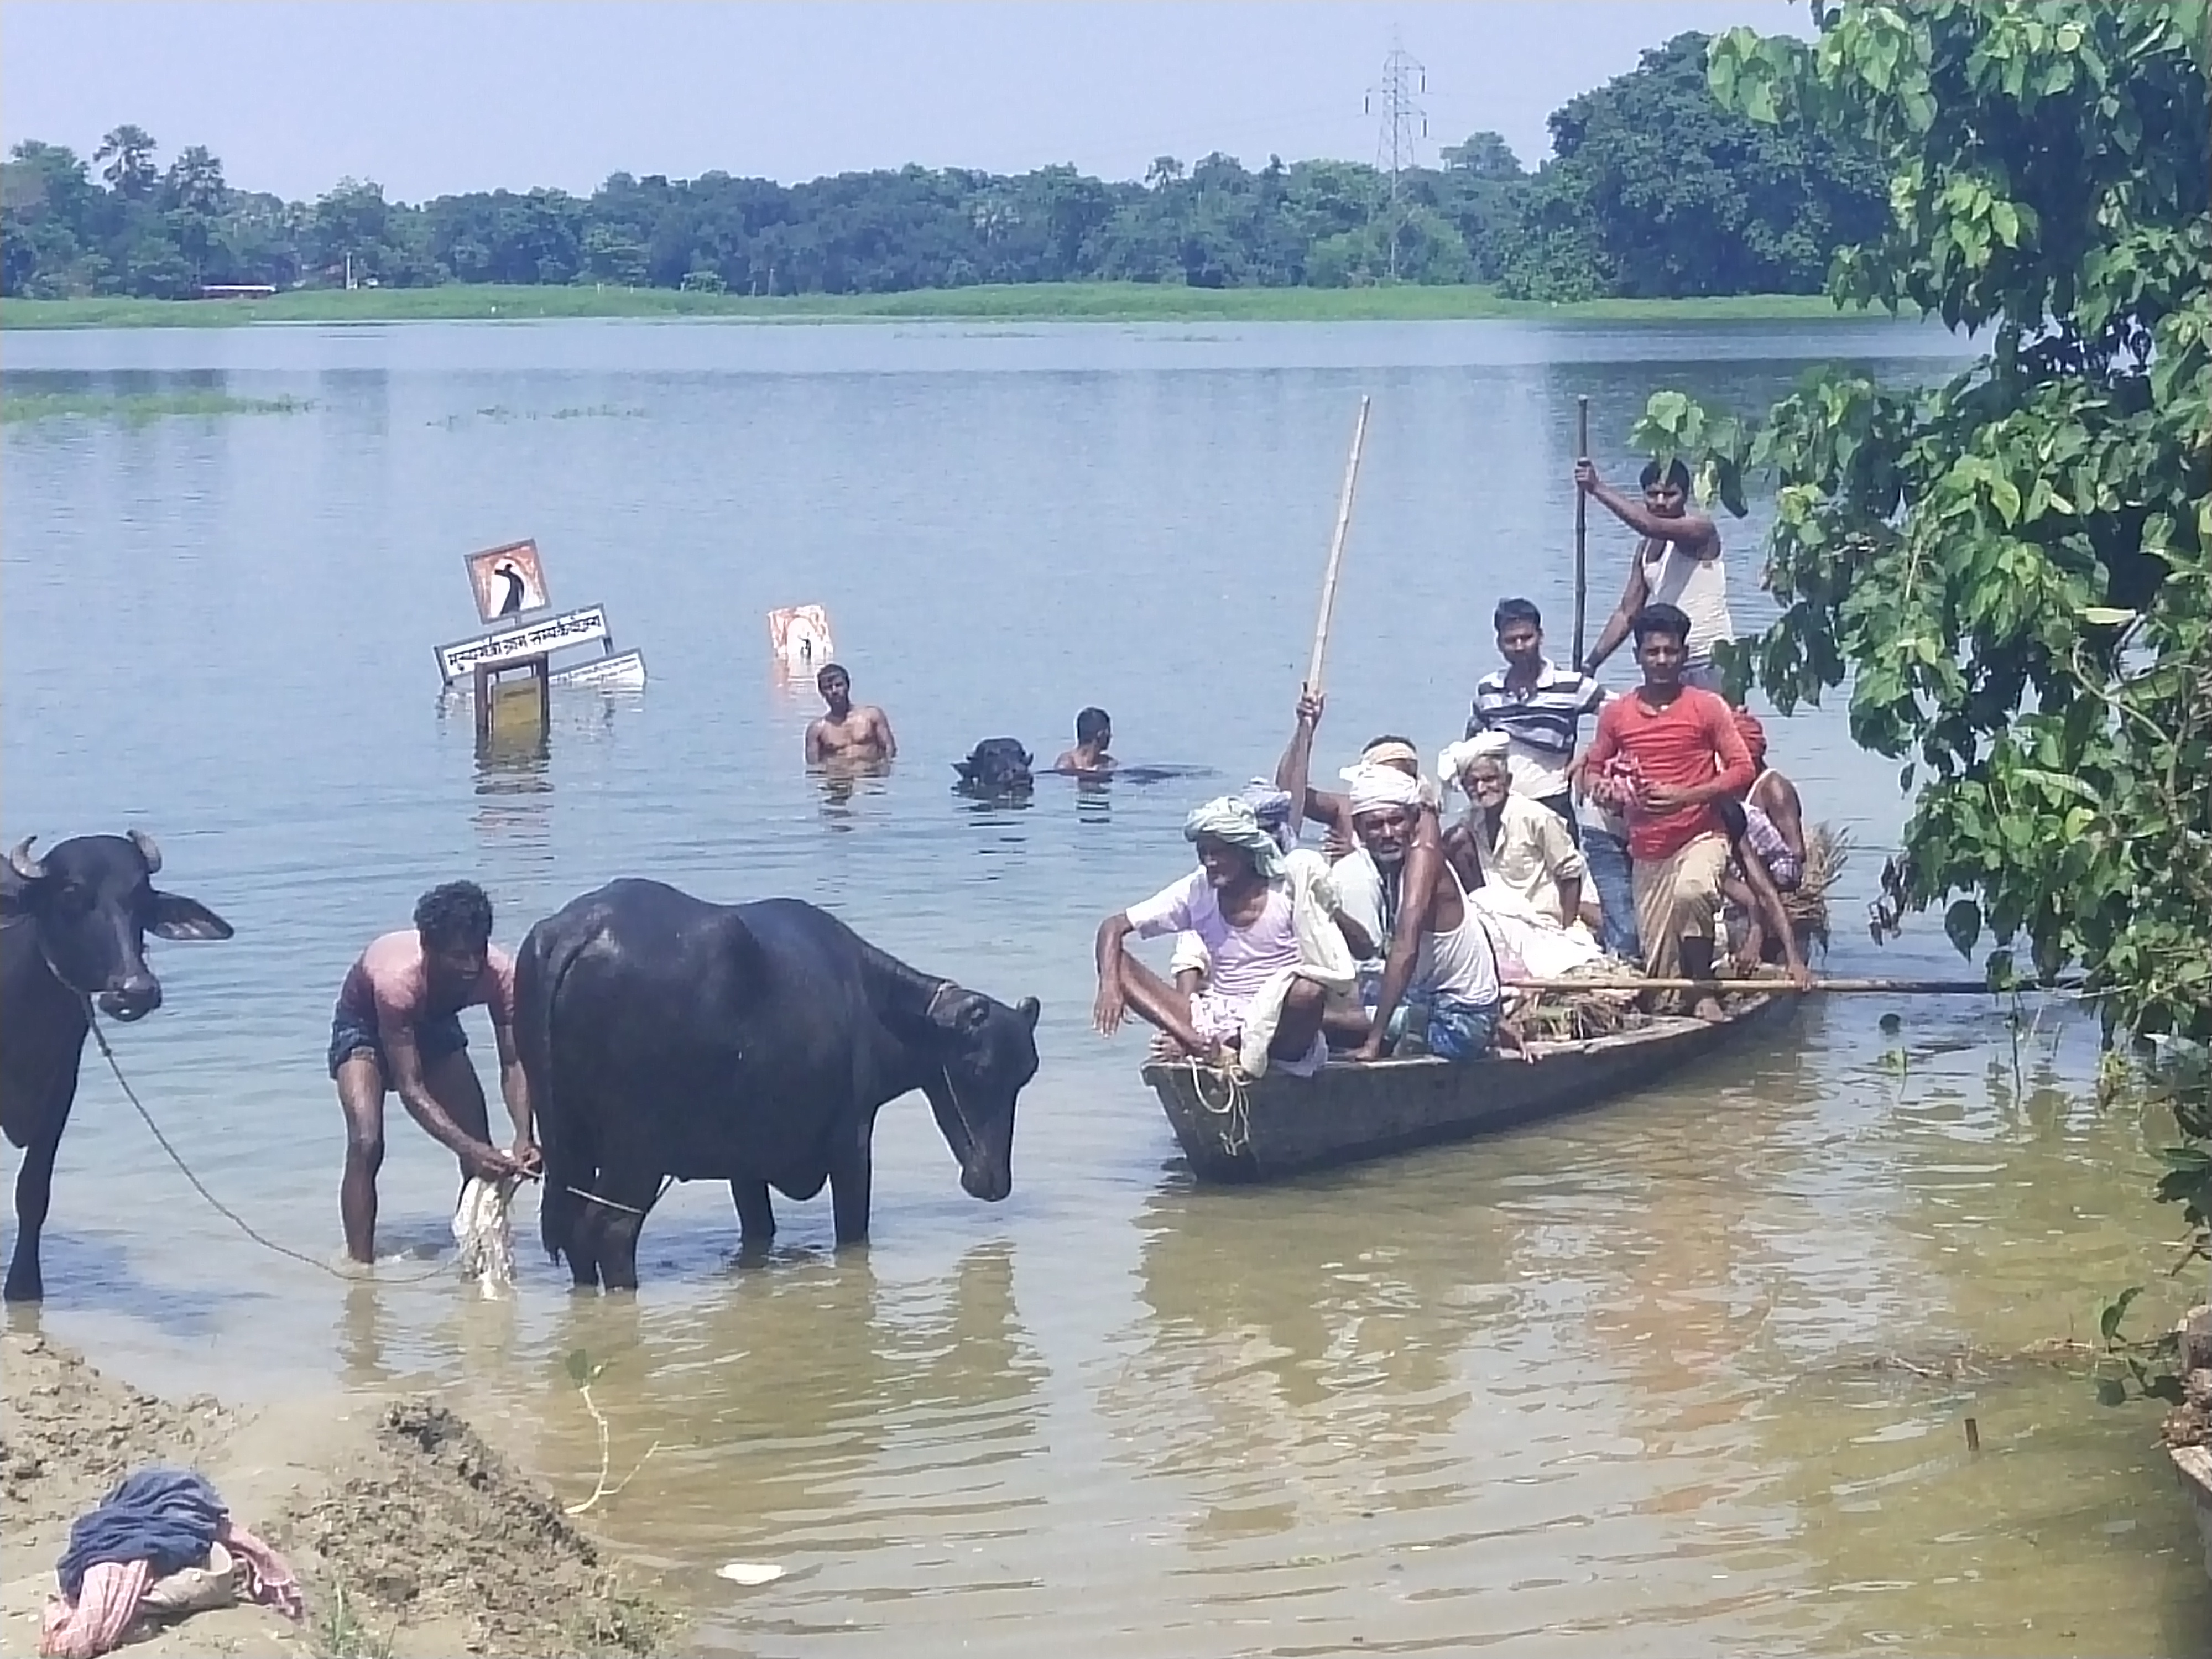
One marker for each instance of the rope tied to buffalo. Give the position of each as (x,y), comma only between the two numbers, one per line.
(200,1187)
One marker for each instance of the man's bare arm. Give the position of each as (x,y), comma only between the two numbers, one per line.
(1112,1002)
(514,1089)
(1417,891)
(478,1157)
(1632,598)
(1787,814)
(1294,771)
(1694,531)
(1756,877)
(814,751)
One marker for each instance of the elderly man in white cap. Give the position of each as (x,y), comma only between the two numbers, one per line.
(1273,945)
(1508,840)
(1439,992)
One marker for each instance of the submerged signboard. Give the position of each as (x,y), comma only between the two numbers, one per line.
(579,627)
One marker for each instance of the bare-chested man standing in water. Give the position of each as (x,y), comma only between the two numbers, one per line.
(848,732)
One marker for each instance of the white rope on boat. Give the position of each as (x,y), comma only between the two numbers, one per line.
(1235,1105)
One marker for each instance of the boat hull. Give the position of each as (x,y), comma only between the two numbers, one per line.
(1281,1126)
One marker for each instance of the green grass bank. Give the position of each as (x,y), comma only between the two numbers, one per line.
(134,407)
(1032,301)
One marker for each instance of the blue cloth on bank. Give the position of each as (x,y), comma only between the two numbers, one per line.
(166,1517)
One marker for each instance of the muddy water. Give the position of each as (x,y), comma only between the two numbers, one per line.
(1607,1386)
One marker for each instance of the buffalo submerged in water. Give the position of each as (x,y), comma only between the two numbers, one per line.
(664,1035)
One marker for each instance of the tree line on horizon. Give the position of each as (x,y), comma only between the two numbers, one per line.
(1653,189)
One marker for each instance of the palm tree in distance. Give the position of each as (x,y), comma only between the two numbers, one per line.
(128,152)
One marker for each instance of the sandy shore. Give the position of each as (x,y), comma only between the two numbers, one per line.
(414,1539)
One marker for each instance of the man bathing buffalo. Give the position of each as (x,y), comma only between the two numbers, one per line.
(396,1028)
(644,1036)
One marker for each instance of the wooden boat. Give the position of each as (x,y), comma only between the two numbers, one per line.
(1276,1125)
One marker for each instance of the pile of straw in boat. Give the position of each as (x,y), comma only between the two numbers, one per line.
(1827,849)
(1576,1016)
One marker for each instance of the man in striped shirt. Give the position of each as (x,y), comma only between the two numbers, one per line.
(1538,706)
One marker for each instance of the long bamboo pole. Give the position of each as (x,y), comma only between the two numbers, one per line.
(1582,528)
(1891,987)
(1336,552)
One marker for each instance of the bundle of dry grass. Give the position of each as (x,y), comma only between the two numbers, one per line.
(1576,1016)
(1827,850)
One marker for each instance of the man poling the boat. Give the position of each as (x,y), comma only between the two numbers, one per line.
(1439,993)
(1275,942)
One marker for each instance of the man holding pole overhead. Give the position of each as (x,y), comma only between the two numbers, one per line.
(1678,563)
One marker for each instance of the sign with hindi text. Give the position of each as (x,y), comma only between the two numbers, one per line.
(579,626)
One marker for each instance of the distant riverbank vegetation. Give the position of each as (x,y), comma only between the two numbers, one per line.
(132,407)
(1654,193)
(987,302)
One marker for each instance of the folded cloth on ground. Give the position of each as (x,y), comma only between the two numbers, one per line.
(155,1526)
(165,1517)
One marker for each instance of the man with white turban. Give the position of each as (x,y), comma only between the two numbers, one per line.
(1507,840)
(1332,811)
(1274,949)
(1439,992)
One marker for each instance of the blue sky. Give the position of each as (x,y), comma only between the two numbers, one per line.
(428,99)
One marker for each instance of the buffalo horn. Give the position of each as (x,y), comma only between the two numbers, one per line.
(149,850)
(20,861)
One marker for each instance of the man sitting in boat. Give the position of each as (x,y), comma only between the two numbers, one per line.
(1274,950)
(1682,754)
(1332,811)
(1439,993)
(1507,840)
(1188,966)
(1772,833)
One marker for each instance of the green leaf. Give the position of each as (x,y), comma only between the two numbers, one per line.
(2115,1311)
(580,1367)
(2004,495)
(1963,923)
(2105,616)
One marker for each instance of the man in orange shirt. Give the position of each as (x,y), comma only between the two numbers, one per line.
(1666,754)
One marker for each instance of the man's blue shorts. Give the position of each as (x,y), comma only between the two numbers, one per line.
(1450,1030)
(436,1037)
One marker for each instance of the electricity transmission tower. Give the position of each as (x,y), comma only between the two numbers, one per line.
(1401,123)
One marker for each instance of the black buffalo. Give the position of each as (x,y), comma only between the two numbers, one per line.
(996,766)
(665,1037)
(73,927)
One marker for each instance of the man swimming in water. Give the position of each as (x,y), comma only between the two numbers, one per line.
(397,1026)
(847,732)
(1094,735)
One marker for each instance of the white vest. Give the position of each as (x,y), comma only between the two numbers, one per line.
(1697,588)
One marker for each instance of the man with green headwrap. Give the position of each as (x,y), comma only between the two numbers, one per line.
(1272,940)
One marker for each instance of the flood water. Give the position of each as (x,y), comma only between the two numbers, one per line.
(1599,1388)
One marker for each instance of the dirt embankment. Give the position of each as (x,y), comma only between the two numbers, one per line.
(414,1539)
